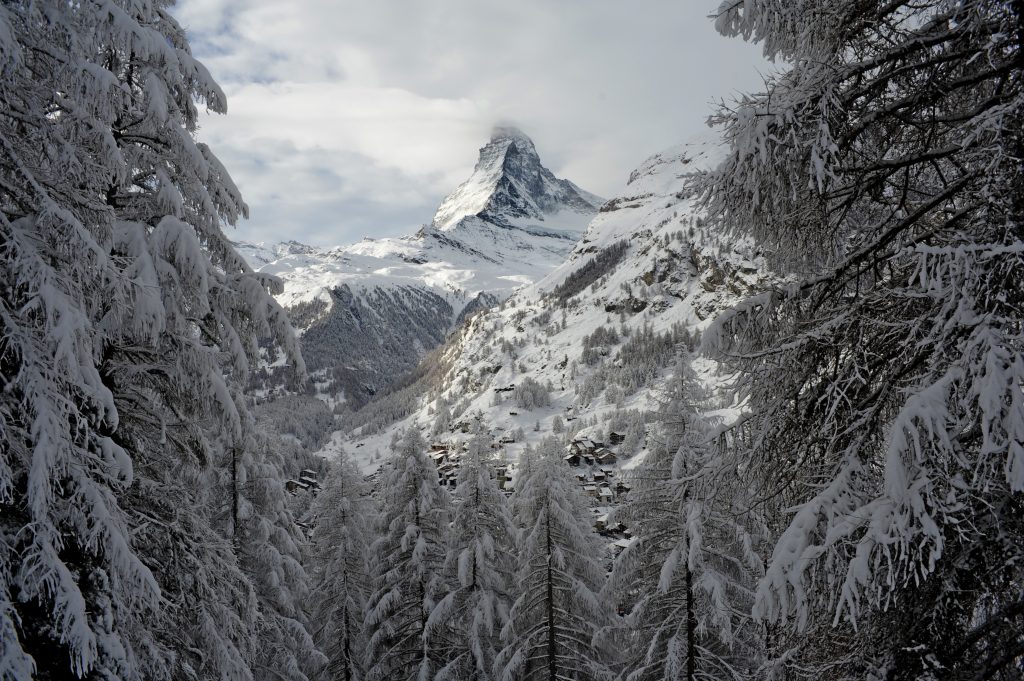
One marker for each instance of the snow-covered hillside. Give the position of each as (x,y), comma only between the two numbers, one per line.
(368,311)
(585,349)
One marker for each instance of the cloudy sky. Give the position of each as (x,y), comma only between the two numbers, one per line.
(350,119)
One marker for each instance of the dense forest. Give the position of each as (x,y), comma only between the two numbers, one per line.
(862,518)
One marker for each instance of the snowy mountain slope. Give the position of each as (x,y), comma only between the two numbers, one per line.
(601,330)
(509,225)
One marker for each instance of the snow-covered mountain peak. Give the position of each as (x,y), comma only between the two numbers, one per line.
(510,187)
(509,134)
(599,335)
(368,310)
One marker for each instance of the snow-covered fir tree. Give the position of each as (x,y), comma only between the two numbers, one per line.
(269,543)
(343,517)
(558,609)
(881,171)
(466,624)
(408,557)
(128,322)
(687,580)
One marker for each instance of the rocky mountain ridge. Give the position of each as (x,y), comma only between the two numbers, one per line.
(368,311)
(586,350)
(509,186)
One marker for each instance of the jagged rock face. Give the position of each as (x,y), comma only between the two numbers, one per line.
(510,224)
(509,184)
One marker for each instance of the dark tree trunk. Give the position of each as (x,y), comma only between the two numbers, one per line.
(235,497)
(691,629)
(552,667)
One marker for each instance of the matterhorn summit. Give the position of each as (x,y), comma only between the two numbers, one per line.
(510,186)
(362,307)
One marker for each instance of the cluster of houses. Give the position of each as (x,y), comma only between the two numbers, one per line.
(618,535)
(584,451)
(306,482)
(447,464)
(596,475)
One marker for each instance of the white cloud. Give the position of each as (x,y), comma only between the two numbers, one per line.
(349,119)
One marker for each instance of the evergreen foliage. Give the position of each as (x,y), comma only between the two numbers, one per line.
(590,271)
(557,610)
(687,581)
(409,553)
(344,517)
(269,544)
(531,393)
(128,327)
(882,171)
(479,567)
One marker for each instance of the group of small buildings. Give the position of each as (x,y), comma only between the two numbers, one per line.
(618,536)
(307,482)
(584,451)
(597,479)
(447,463)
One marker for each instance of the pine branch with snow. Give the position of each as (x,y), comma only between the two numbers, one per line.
(128,323)
(269,544)
(882,172)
